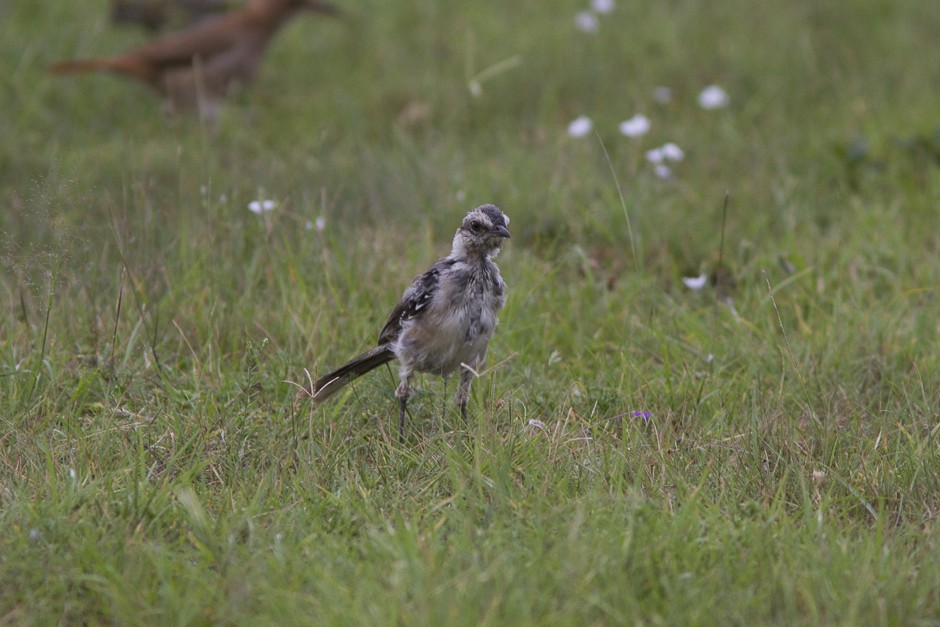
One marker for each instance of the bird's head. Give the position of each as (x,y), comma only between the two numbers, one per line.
(482,231)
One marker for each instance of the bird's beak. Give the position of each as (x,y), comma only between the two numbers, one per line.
(502,231)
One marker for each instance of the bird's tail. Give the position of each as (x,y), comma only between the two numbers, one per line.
(79,66)
(122,65)
(327,385)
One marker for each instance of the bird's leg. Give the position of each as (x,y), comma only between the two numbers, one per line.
(403,392)
(403,402)
(463,390)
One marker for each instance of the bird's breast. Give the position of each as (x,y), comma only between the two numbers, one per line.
(457,324)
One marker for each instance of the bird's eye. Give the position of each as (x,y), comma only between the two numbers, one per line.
(475,225)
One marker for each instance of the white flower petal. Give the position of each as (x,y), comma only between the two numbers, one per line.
(655,155)
(320,224)
(636,126)
(695,282)
(580,126)
(602,6)
(261,206)
(713,97)
(662,171)
(586,22)
(672,152)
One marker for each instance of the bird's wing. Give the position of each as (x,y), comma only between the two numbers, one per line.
(414,300)
(205,39)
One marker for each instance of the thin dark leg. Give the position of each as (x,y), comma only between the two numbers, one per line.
(401,420)
(463,391)
(403,392)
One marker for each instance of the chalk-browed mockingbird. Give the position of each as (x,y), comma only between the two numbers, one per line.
(444,320)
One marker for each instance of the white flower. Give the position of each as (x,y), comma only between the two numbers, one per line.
(636,126)
(695,282)
(713,97)
(320,224)
(672,152)
(662,170)
(586,22)
(261,206)
(666,152)
(662,95)
(602,6)
(655,155)
(580,126)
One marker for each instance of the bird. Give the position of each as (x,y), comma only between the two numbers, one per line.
(445,318)
(198,66)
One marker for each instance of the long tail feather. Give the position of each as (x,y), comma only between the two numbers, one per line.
(78,66)
(327,385)
(128,65)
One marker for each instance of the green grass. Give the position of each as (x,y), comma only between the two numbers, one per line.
(157,467)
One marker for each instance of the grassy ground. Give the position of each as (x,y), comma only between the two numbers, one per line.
(156,467)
